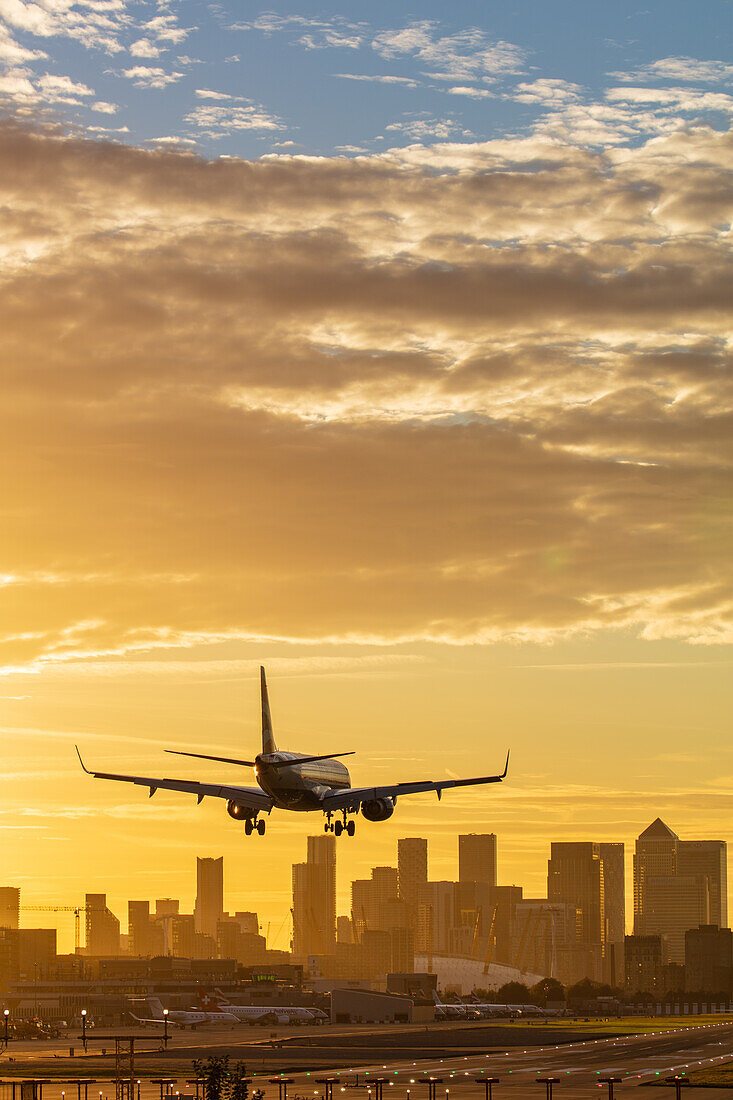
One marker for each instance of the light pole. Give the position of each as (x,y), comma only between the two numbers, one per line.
(487,1082)
(84,1029)
(610,1081)
(679,1080)
(6,1014)
(165,1027)
(548,1082)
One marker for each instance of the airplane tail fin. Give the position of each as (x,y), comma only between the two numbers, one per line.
(268,738)
(156,1008)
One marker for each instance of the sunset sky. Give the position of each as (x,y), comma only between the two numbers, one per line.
(389,348)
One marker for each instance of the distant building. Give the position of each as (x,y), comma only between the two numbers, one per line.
(501,922)
(209,895)
(709,961)
(167,907)
(9,906)
(373,900)
(575,878)
(547,940)
(102,927)
(412,865)
(36,952)
(477,858)
(234,942)
(435,917)
(344,930)
(614,894)
(314,899)
(677,885)
(145,937)
(646,959)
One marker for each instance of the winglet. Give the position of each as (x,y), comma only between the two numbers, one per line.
(82,762)
(506,766)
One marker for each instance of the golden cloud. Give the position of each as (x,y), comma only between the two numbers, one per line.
(459,394)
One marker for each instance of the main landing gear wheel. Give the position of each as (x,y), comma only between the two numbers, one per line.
(338,828)
(261,828)
(351,828)
(248,828)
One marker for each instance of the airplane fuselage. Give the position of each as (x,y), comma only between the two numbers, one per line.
(299,786)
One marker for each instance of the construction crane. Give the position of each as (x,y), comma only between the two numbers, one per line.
(77,910)
(490,941)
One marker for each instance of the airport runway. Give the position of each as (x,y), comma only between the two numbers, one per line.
(636,1059)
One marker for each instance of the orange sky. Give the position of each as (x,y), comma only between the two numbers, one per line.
(441,436)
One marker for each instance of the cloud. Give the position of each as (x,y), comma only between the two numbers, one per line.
(335,33)
(144,48)
(470,54)
(12,53)
(379,79)
(680,68)
(105,108)
(470,393)
(207,93)
(147,77)
(472,93)
(96,24)
(216,122)
(424,129)
(545,90)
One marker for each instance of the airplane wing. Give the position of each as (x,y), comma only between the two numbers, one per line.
(251,797)
(353,797)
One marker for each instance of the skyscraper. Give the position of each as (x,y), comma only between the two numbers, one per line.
(373,902)
(614,893)
(102,927)
(314,899)
(9,906)
(677,885)
(477,858)
(209,895)
(709,858)
(575,879)
(412,867)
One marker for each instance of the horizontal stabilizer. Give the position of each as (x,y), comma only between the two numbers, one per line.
(305,759)
(221,759)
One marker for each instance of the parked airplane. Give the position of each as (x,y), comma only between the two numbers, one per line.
(178,1017)
(296,781)
(261,1014)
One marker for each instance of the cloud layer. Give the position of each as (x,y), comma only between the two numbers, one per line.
(464,393)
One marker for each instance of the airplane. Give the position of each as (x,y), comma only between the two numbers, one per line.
(261,1014)
(178,1017)
(295,781)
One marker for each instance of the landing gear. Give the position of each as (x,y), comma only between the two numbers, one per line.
(339,827)
(252,824)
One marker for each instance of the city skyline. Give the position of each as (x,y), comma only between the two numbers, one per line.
(222,890)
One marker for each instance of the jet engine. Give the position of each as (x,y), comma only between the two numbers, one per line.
(239,813)
(377,809)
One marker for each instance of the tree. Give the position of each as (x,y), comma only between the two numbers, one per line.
(222,1083)
(588,990)
(549,989)
(213,1074)
(514,993)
